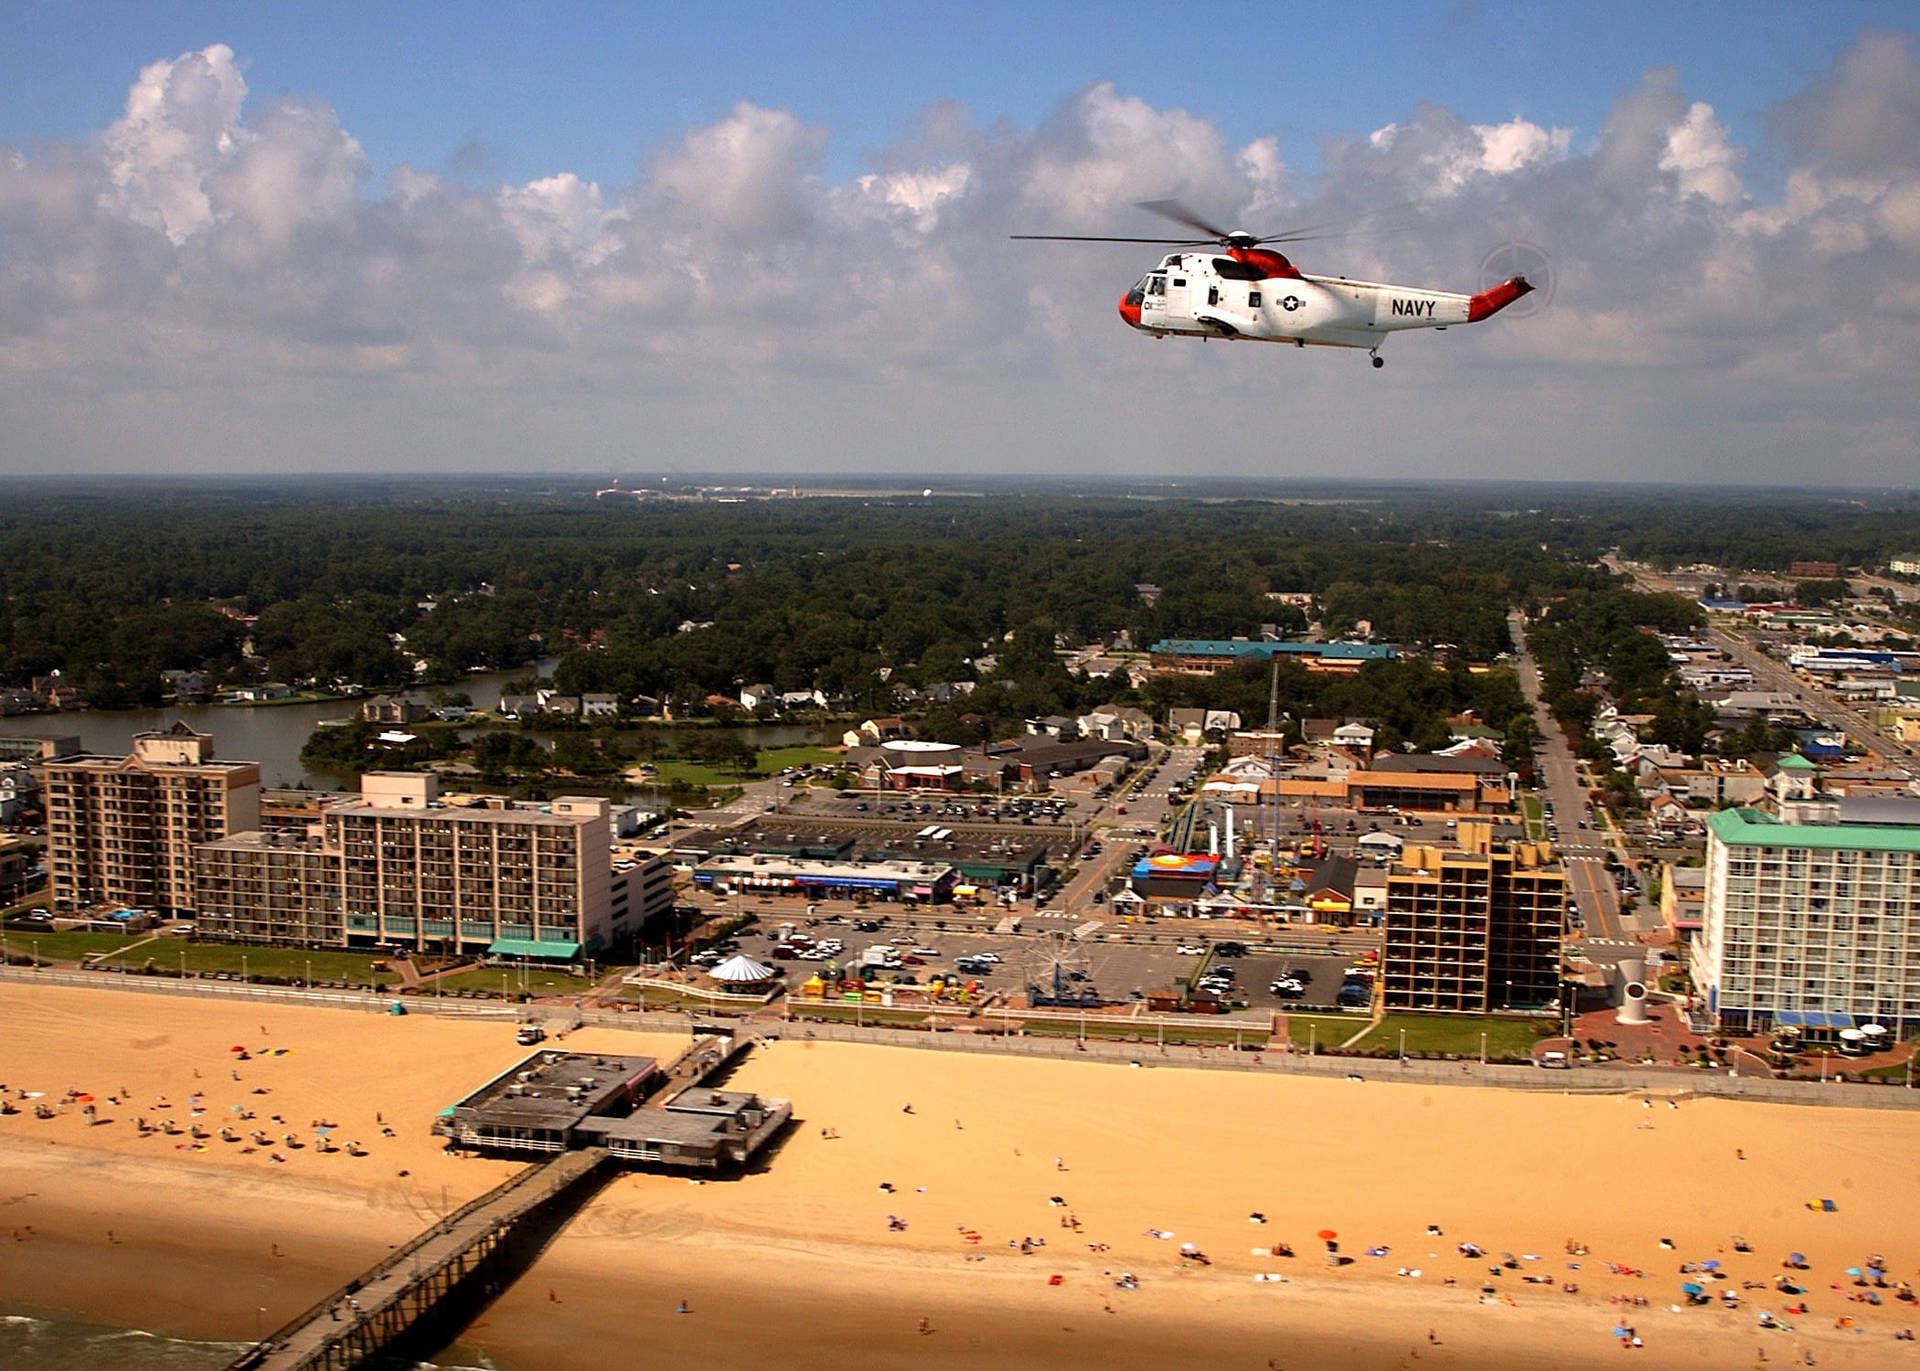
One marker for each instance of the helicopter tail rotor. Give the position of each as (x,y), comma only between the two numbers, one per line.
(1529,263)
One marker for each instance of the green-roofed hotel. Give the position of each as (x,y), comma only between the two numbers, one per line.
(1812,918)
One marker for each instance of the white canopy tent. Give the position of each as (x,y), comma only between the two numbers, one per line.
(742,970)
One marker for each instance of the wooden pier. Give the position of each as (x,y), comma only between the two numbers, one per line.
(421,1295)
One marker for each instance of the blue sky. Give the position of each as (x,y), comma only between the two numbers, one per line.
(313,236)
(587,87)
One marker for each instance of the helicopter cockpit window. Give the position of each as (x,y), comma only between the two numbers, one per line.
(1230,270)
(1156,285)
(1138,293)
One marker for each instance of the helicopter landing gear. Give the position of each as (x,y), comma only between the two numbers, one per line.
(1378,361)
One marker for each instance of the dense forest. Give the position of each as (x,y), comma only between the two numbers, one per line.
(390,583)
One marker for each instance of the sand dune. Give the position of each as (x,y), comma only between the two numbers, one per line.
(800,1261)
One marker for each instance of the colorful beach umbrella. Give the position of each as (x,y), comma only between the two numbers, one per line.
(1327,1234)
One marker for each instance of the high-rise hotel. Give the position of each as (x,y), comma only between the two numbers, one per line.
(1812,919)
(121,830)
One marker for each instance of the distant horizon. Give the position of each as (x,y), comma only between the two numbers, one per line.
(912,483)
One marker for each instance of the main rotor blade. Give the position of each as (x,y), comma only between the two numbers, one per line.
(1180,214)
(1092,238)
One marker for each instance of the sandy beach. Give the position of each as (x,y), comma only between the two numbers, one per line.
(811,1260)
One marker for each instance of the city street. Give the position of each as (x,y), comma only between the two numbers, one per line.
(1769,674)
(1558,779)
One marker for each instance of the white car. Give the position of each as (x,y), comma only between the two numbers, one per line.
(1189,950)
(986,956)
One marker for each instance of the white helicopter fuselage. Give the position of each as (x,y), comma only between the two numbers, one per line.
(1257,296)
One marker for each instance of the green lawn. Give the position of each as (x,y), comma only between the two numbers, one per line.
(1434,1033)
(276,963)
(1323,1030)
(680,771)
(536,980)
(772,759)
(65,947)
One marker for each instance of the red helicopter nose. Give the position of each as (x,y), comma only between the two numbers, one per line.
(1130,311)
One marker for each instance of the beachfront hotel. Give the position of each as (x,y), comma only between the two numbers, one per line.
(121,830)
(1812,919)
(400,866)
(1476,929)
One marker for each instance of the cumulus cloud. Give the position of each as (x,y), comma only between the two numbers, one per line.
(217,274)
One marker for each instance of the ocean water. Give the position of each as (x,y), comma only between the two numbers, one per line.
(34,1342)
(31,1343)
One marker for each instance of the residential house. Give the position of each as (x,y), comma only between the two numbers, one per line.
(392,709)
(519,706)
(753,696)
(599,706)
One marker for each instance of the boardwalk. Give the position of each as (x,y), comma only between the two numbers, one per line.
(426,1290)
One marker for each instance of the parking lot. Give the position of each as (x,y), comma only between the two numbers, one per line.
(1116,969)
(867,806)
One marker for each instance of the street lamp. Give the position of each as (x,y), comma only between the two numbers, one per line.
(309,973)
(1483,1049)
(243,968)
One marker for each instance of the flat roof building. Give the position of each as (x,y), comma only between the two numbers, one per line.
(555,1101)
(122,830)
(1204,656)
(400,865)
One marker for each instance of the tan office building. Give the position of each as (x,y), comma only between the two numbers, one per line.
(399,865)
(1474,930)
(121,830)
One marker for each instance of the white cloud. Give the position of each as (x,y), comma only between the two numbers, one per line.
(179,126)
(215,274)
(1698,153)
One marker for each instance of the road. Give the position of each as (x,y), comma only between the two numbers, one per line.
(1769,674)
(1589,884)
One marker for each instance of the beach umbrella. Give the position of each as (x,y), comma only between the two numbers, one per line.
(1691,1289)
(236,1049)
(1797,1258)
(1619,1330)
(1853,1270)
(1328,1234)
(1710,1266)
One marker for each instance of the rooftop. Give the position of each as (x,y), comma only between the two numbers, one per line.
(1237,647)
(1756,828)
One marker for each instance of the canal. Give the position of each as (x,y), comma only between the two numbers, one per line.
(273,735)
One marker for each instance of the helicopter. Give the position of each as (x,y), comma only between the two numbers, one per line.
(1254,294)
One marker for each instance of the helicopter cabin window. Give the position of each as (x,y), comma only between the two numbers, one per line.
(1253,299)
(1213,294)
(1230,270)
(1156,285)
